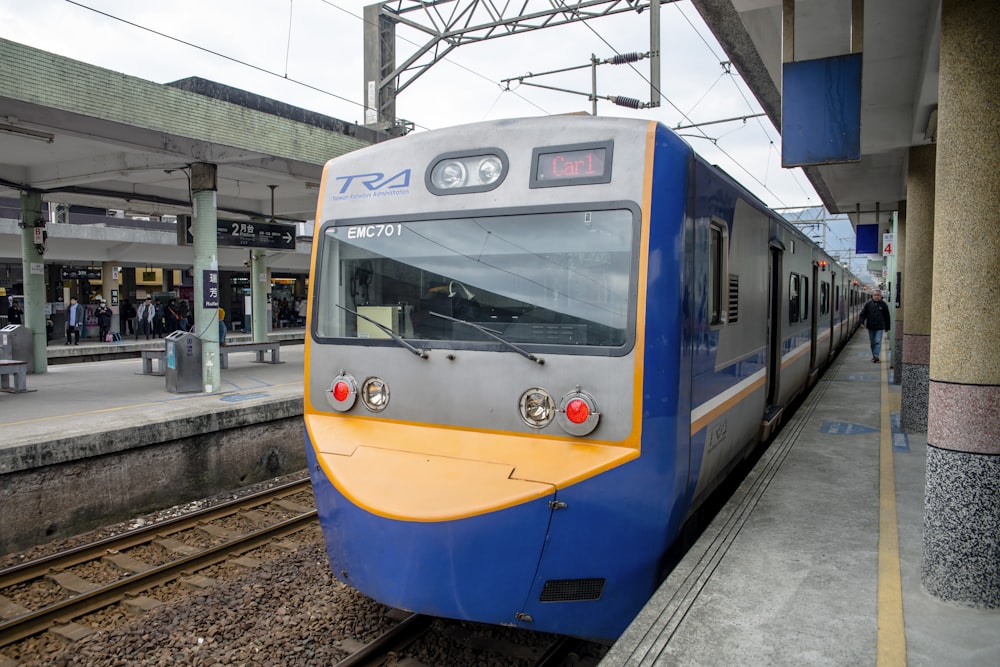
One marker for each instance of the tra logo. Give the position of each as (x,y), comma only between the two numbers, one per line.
(373,182)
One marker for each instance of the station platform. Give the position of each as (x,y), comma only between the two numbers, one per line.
(815,559)
(97,442)
(107,391)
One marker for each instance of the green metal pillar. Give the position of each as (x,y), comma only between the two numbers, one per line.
(259,287)
(32,247)
(204,179)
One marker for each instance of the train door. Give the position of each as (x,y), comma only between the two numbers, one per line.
(774,325)
(833,315)
(814,319)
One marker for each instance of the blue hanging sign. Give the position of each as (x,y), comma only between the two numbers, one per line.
(821,111)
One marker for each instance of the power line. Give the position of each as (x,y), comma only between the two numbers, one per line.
(215,53)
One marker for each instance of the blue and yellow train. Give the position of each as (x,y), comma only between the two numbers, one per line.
(535,347)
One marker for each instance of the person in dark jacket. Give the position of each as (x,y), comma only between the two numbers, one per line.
(103,314)
(14,314)
(875,318)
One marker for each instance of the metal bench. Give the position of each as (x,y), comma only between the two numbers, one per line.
(19,369)
(249,346)
(147,362)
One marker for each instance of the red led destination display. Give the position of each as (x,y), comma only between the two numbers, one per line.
(571,165)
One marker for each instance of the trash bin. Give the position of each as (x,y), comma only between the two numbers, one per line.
(16,343)
(183,363)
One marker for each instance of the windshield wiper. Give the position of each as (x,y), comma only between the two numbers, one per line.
(420,353)
(493,334)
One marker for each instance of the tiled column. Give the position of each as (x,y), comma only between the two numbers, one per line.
(204,183)
(919,283)
(962,503)
(898,317)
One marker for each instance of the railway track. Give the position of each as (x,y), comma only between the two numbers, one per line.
(548,651)
(94,576)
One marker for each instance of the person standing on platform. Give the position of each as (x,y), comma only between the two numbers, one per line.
(103,315)
(159,319)
(128,318)
(74,321)
(171,317)
(14,314)
(146,314)
(182,315)
(875,318)
(301,308)
(222,326)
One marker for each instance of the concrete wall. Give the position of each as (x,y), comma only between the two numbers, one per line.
(61,489)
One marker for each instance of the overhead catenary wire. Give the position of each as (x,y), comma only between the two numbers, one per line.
(618,58)
(684,115)
(218,54)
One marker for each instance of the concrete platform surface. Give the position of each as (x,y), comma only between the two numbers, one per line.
(815,560)
(80,405)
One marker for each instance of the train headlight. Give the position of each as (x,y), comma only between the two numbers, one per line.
(375,394)
(449,175)
(577,414)
(537,407)
(463,172)
(343,392)
(490,169)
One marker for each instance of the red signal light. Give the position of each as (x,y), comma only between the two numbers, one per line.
(341,390)
(577,411)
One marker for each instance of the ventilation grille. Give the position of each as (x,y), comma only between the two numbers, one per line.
(567,590)
(734,300)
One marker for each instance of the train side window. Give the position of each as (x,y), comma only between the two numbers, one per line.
(804,313)
(794,284)
(824,298)
(717,271)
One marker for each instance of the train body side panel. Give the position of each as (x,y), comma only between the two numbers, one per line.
(728,381)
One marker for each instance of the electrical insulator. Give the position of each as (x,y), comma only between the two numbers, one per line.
(629,102)
(623,58)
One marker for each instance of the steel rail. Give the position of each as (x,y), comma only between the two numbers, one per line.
(398,636)
(23,572)
(34,622)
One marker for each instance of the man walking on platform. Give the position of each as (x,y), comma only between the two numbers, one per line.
(74,321)
(875,317)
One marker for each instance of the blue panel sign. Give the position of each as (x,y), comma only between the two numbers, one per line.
(867,240)
(821,111)
(844,428)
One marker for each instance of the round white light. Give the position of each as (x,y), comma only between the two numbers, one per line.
(375,394)
(537,408)
(490,169)
(450,174)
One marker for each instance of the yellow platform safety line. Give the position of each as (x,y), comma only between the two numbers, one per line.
(891,640)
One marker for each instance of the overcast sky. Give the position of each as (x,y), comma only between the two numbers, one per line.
(309,53)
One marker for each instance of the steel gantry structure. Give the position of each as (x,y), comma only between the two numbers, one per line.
(452,23)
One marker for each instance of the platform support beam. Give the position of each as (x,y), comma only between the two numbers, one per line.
(33,270)
(204,216)
(962,503)
(919,252)
(260,285)
(899,316)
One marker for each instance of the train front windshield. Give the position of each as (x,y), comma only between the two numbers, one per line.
(552,278)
